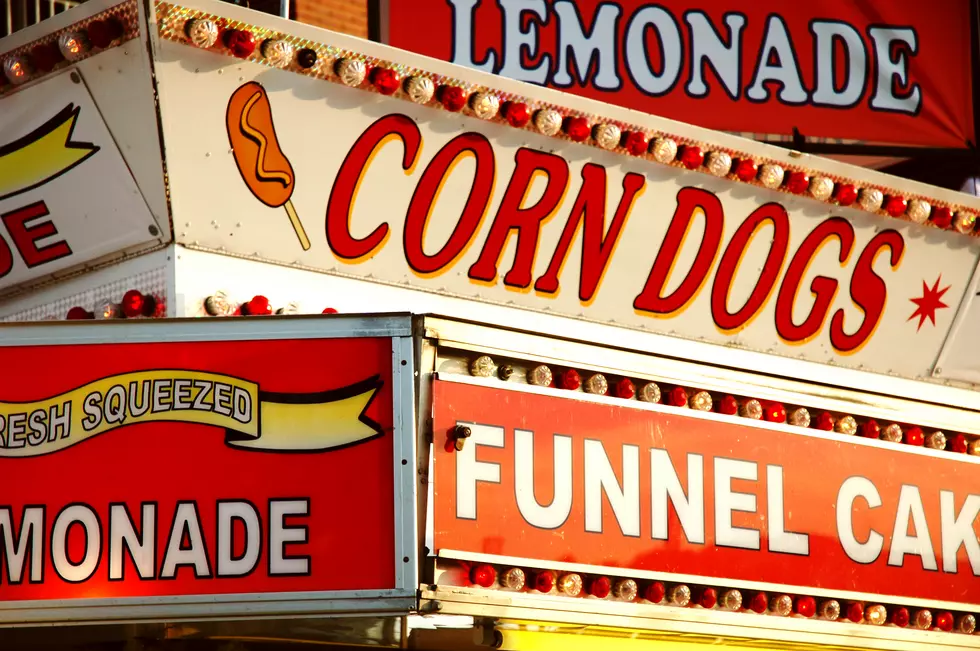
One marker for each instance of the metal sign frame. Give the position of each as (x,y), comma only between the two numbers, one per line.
(400,600)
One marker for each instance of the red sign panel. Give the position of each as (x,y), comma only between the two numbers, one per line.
(639,489)
(201,468)
(891,71)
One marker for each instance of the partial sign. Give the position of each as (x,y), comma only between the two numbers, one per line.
(66,194)
(304,171)
(661,494)
(169,473)
(895,71)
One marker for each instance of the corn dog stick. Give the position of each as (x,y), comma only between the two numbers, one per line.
(304,241)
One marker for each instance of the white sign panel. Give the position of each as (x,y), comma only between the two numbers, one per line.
(297,170)
(66,194)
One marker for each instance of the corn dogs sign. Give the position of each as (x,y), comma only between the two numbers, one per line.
(66,195)
(667,494)
(354,183)
(199,470)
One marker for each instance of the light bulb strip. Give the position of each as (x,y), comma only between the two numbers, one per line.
(20,59)
(728,405)
(575,585)
(556,121)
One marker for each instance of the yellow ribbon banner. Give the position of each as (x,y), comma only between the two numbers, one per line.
(252,419)
(42,155)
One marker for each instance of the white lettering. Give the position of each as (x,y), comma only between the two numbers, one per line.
(469,471)
(669,41)
(555,514)
(123,537)
(777,63)
(708,48)
(860,552)
(727,502)
(665,485)
(601,478)
(68,570)
(957,531)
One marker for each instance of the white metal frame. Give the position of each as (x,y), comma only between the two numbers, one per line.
(400,600)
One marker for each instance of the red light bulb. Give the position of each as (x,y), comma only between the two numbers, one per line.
(46,56)
(79,314)
(239,42)
(706,597)
(805,606)
(914,436)
(577,128)
(133,303)
(635,143)
(329,310)
(871,430)
(677,397)
(845,194)
(655,592)
(516,114)
(625,389)
(570,379)
(957,443)
(453,98)
(691,157)
(900,617)
(941,216)
(825,422)
(855,612)
(774,413)
(728,405)
(600,587)
(759,602)
(258,306)
(385,80)
(895,206)
(797,182)
(544,581)
(101,33)
(745,169)
(483,575)
(944,621)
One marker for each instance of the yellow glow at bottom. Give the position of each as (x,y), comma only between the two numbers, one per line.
(543,641)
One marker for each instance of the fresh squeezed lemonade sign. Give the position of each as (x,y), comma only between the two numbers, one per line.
(165,470)
(451,204)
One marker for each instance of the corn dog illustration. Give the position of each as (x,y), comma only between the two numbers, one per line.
(264,168)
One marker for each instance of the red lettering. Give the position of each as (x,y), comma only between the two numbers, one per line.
(688,201)
(597,243)
(427,193)
(25,237)
(730,260)
(868,291)
(344,191)
(6,258)
(823,288)
(511,215)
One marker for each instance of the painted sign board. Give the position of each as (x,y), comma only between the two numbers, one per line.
(67,196)
(388,190)
(692,496)
(892,71)
(237,468)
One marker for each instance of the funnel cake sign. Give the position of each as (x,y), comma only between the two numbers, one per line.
(197,468)
(349,182)
(694,496)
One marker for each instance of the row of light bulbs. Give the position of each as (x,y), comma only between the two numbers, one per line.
(575,585)
(744,407)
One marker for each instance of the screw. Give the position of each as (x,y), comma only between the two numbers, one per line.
(154,231)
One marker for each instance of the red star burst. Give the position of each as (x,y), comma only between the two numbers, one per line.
(929,302)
